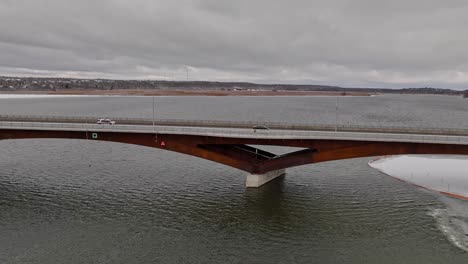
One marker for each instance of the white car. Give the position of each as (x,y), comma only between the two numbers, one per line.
(105,121)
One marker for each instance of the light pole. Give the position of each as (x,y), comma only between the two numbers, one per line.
(336,115)
(154,128)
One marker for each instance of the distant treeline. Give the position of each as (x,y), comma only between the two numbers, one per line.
(63,84)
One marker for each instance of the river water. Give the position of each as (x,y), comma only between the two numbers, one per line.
(70,201)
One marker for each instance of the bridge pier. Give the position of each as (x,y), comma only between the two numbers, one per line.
(257,180)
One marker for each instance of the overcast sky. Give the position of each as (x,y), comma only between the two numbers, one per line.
(353,43)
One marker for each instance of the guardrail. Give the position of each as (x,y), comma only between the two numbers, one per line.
(240,124)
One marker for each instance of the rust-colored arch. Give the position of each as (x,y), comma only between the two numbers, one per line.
(237,152)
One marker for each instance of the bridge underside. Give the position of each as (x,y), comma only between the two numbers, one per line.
(239,152)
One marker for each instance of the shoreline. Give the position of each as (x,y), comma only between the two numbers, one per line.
(178,92)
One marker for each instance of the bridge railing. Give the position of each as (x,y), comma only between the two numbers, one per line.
(236,124)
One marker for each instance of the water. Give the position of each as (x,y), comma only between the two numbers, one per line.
(69,201)
(441,173)
(387,110)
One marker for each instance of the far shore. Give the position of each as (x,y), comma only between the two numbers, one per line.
(189,92)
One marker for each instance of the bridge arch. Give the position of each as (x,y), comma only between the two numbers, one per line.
(238,152)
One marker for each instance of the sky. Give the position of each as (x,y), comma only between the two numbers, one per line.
(351,43)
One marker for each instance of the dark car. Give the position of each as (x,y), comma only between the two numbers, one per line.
(260,127)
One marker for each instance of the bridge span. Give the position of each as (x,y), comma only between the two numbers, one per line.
(236,146)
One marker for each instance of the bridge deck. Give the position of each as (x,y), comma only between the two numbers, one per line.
(245,132)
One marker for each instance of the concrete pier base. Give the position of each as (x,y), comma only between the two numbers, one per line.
(257,180)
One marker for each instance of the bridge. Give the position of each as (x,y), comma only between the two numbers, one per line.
(236,143)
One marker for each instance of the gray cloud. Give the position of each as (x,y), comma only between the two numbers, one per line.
(340,42)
